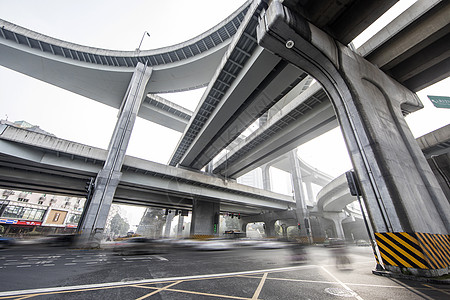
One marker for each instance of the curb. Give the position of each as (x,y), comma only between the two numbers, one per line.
(410,277)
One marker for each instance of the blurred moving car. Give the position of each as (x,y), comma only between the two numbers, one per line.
(333,242)
(140,245)
(215,245)
(6,242)
(362,243)
(59,240)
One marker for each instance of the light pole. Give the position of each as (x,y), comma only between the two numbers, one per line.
(145,33)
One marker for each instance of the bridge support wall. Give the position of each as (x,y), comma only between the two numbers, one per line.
(205,218)
(109,177)
(400,191)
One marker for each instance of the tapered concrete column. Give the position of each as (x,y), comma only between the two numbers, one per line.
(301,210)
(402,195)
(337,219)
(266,177)
(168,225)
(309,191)
(180,226)
(109,177)
(205,218)
(269,228)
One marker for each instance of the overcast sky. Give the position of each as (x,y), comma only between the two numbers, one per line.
(119,25)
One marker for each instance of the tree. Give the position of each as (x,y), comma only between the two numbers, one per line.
(119,226)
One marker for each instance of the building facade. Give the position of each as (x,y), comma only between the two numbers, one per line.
(22,213)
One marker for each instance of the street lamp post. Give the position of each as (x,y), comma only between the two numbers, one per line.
(142,39)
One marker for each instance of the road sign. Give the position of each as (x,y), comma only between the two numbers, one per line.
(440,101)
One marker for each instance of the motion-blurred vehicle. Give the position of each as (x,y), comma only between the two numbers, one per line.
(59,240)
(362,243)
(139,246)
(298,253)
(333,242)
(215,245)
(6,242)
(271,244)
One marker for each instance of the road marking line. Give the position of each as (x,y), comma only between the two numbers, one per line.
(436,289)
(260,286)
(161,258)
(144,281)
(24,266)
(48,265)
(411,289)
(159,290)
(70,264)
(194,293)
(343,285)
(25,297)
(206,294)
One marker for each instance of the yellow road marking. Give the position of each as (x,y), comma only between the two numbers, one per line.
(260,286)
(159,290)
(206,294)
(436,289)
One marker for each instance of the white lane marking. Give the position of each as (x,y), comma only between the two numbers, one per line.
(135,258)
(161,258)
(343,285)
(154,280)
(70,264)
(92,262)
(24,266)
(48,265)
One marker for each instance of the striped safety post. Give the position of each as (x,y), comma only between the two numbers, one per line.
(414,250)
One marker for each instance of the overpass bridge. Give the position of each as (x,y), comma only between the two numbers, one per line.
(266,59)
(39,162)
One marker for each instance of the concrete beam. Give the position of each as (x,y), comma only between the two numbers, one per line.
(288,129)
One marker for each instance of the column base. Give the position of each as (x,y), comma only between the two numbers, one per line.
(416,254)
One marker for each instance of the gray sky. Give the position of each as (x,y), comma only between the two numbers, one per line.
(119,25)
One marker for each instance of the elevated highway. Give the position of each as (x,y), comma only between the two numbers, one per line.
(217,123)
(412,49)
(335,196)
(38,162)
(273,48)
(103,75)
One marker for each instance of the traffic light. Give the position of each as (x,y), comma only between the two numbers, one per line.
(89,188)
(353,183)
(299,226)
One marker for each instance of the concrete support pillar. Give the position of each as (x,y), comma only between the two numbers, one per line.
(301,209)
(269,228)
(337,219)
(180,226)
(205,218)
(401,193)
(168,225)
(266,177)
(309,191)
(109,177)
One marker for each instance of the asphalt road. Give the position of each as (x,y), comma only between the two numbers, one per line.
(56,273)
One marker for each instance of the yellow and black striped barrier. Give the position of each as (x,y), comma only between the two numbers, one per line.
(414,250)
(202,237)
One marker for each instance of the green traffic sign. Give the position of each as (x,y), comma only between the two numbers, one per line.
(440,101)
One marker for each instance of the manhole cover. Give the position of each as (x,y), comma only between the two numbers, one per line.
(340,292)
